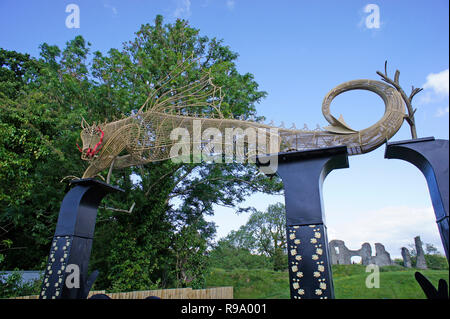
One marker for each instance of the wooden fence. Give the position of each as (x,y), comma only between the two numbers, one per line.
(178,293)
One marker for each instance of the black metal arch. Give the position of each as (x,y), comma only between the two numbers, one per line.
(431,157)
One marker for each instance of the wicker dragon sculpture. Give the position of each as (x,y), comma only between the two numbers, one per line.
(145,136)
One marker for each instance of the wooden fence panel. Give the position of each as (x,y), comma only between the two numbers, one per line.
(176,293)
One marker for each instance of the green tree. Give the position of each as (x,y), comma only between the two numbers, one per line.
(13,285)
(123,78)
(40,126)
(226,256)
(264,233)
(31,158)
(189,246)
(430,249)
(433,258)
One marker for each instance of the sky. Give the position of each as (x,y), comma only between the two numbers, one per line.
(297,52)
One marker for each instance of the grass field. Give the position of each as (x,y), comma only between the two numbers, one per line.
(349,282)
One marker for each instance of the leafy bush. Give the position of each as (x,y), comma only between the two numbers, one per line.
(436,261)
(279,260)
(13,286)
(228,257)
(398,261)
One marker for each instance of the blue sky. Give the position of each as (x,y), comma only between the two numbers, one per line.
(298,51)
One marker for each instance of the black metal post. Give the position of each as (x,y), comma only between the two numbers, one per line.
(72,241)
(431,157)
(303,174)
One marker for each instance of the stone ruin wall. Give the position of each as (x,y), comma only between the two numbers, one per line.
(420,257)
(341,255)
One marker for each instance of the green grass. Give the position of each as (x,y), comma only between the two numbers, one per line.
(251,284)
(349,282)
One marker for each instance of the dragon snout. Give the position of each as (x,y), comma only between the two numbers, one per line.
(88,153)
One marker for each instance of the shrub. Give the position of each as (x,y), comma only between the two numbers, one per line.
(436,261)
(13,286)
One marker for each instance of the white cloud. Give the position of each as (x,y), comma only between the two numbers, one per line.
(442,111)
(112,8)
(394,227)
(183,9)
(438,82)
(436,87)
(230,4)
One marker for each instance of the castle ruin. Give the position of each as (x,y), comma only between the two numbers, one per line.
(420,255)
(341,255)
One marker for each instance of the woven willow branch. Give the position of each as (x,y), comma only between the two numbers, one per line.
(145,136)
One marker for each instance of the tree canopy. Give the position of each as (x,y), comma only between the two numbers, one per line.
(164,241)
(264,234)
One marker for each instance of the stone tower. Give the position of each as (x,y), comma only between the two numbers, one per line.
(420,263)
(406,257)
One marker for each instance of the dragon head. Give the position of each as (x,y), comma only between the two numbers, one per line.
(92,139)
